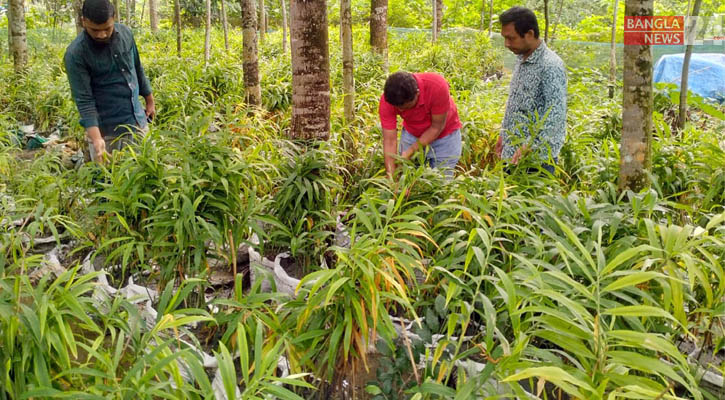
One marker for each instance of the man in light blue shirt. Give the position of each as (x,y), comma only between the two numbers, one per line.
(535,117)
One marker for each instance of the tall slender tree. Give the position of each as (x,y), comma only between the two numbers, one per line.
(77,15)
(559,13)
(347,59)
(19,42)
(284,25)
(129,22)
(262,21)
(117,7)
(684,81)
(207,33)
(490,20)
(154,15)
(434,27)
(225,26)
(10,33)
(310,70)
(636,145)
(546,21)
(249,52)
(439,16)
(613,52)
(177,17)
(483,15)
(379,27)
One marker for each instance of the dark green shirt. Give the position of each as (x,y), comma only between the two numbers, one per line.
(107,79)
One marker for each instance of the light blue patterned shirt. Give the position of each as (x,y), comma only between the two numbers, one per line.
(537,102)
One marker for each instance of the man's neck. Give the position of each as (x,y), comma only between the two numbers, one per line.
(533,49)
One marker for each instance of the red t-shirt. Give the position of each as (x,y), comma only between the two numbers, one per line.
(434,98)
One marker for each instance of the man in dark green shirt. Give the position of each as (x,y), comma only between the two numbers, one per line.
(106,80)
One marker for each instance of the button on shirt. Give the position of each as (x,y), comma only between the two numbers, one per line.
(107,79)
(434,98)
(537,99)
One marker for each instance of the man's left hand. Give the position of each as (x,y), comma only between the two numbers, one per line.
(150,108)
(520,153)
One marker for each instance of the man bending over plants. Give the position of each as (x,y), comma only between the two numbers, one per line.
(106,79)
(535,117)
(430,120)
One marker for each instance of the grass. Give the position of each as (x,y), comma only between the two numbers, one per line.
(560,285)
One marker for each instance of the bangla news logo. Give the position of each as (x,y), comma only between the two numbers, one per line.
(673,30)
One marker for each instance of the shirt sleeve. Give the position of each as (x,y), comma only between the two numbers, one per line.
(144,87)
(553,131)
(440,98)
(388,115)
(80,86)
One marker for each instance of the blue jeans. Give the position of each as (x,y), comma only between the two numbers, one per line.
(443,153)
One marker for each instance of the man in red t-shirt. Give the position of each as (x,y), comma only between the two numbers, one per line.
(430,119)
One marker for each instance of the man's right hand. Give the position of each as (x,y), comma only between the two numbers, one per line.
(499,146)
(98,143)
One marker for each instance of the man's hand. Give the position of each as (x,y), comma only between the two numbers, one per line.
(499,146)
(409,152)
(150,107)
(98,143)
(520,153)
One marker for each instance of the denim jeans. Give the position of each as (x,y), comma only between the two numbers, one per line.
(442,153)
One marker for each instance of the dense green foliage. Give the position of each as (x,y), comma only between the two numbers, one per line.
(557,283)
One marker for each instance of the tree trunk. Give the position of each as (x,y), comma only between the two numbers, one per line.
(483,15)
(207,33)
(262,22)
(154,15)
(10,33)
(636,146)
(379,27)
(439,17)
(546,21)
(558,19)
(225,26)
(117,7)
(613,53)
(132,18)
(490,20)
(347,59)
(128,13)
(284,26)
(434,27)
(78,14)
(143,12)
(310,70)
(249,50)
(19,42)
(686,67)
(177,17)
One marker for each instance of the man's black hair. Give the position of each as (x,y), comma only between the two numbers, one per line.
(98,11)
(400,88)
(524,20)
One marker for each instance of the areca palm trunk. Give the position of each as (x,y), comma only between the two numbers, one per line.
(636,145)
(177,17)
(284,25)
(207,33)
(347,59)
(310,70)
(154,15)
(249,52)
(225,26)
(18,35)
(682,119)
(379,27)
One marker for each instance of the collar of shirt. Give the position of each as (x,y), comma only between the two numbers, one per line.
(535,56)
